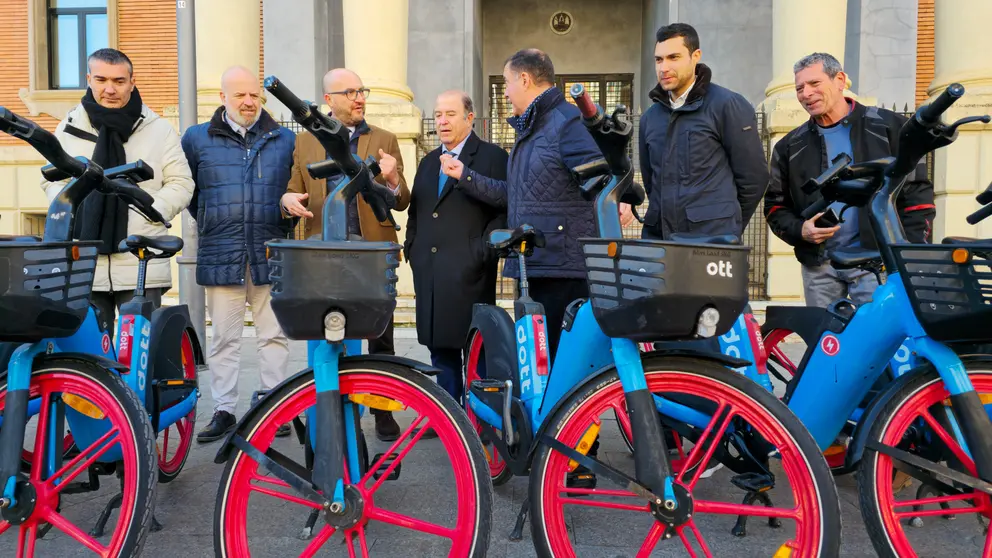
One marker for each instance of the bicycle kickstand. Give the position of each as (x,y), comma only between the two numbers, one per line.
(307,531)
(518,529)
(113,504)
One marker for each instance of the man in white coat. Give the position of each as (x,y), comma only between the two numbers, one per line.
(112,127)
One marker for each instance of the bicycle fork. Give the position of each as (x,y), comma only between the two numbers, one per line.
(15,422)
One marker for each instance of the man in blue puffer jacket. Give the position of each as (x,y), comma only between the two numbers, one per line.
(540,189)
(241,162)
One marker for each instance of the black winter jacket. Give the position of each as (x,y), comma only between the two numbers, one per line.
(702,164)
(802,154)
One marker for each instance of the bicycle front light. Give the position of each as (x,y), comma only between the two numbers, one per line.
(706,326)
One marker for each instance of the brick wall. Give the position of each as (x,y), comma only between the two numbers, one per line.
(147,34)
(14,71)
(924,50)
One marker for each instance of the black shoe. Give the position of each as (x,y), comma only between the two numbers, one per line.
(283,431)
(386,428)
(431,433)
(220,425)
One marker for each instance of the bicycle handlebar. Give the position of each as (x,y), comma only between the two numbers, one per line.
(930,114)
(329,131)
(582,100)
(43,141)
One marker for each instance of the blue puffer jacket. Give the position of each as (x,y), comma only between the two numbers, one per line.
(540,189)
(239,183)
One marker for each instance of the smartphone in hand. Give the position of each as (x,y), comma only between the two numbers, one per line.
(828,219)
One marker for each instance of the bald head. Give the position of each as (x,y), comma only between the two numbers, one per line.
(241,95)
(345,93)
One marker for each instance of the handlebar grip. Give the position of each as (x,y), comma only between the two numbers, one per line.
(634,195)
(817,207)
(324,169)
(582,100)
(286,97)
(930,114)
(52,173)
(979,215)
(985,197)
(133,195)
(42,140)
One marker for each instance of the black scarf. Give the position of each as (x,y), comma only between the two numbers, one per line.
(104,216)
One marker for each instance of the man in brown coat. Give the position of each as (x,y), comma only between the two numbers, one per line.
(346,95)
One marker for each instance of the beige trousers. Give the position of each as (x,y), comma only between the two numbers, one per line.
(227,311)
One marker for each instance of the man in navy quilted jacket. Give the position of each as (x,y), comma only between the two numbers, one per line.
(241,162)
(540,189)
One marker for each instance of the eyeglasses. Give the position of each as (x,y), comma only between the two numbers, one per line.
(352,94)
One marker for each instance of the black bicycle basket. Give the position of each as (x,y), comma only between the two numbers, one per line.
(953,301)
(44,287)
(311,278)
(648,290)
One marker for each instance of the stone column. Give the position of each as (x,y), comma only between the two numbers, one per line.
(964,168)
(794,36)
(375,38)
(227,34)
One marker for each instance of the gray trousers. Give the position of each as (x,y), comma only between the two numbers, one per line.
(823,285)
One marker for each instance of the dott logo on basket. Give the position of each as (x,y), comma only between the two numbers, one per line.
(721,268)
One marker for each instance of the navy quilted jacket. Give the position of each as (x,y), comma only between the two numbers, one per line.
(239,182)
(540,189)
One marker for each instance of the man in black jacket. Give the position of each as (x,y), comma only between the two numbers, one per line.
(701,158)
(837,125)
(446,233)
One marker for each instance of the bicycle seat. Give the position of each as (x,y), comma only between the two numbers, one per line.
(504,240)
(729,239)
(851,259)
(167,245)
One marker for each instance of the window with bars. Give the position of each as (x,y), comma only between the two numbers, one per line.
(608,90)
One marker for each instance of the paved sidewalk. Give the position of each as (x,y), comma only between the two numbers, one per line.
(186,506)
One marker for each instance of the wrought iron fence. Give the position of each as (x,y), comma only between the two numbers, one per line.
(755,234)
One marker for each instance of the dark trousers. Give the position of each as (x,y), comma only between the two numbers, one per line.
(555,294)
(449,362)
(383,345)
(107,303)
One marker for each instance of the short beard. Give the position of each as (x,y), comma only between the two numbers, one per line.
(241,121)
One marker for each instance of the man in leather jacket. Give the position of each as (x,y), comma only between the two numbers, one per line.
(837,125)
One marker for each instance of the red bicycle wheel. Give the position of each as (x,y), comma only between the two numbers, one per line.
(812,509)
(97,395)
(499,473)
(459,499)
(916,419)
(174,442)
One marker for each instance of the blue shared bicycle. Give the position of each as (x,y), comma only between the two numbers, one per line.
(98,407)
(931,423)
(543,419)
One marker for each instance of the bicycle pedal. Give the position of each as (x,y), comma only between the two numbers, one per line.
(488,386)
(754,482)
(584,479)
(385,465)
